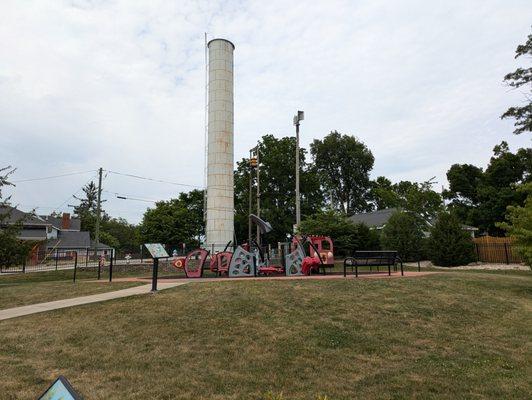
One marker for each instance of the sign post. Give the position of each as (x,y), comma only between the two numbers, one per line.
(157,251)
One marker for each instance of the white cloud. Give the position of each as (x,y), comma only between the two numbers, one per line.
(120,84)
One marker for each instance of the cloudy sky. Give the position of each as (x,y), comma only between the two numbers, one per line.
(120,84)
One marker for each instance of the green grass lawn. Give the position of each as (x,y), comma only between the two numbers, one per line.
(23,289)
(451,335)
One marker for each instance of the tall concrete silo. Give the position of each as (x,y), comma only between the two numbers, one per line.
(220,185)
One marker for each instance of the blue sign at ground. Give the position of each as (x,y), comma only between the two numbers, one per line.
(60,390)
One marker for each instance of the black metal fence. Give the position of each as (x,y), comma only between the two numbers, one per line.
(88,264)
(56,260)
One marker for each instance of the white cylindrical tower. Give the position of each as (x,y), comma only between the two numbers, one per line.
(220,190)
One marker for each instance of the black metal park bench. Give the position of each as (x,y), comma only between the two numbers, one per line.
(372,259)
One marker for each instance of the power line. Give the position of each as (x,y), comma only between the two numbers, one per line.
(73,195)
(53,177)
(123,196)
(154,180)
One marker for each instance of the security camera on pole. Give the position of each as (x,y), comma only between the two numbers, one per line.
(297,119)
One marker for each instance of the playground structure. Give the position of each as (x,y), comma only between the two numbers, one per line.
(250,259)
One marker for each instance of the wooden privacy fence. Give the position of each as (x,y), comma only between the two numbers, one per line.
(496,250)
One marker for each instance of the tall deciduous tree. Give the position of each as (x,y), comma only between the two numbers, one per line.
(277,188)
(175,221)
(521,78)
(344,163)
(419,199)
(479,197)
(384,194)
(126,236)
(12,250)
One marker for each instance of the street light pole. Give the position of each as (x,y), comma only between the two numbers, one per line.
(252,165)
(297,119)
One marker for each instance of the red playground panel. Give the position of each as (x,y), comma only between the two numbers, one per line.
(220,262)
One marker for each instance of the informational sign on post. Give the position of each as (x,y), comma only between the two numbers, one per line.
(157,251)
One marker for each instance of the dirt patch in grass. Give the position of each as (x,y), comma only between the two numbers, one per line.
(441,336)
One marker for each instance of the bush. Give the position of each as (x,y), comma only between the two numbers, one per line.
(347,237)
(403,232)
(449,245)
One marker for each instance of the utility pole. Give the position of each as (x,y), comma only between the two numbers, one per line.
(98,212)
(297,119)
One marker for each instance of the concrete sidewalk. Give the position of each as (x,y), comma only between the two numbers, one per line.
(76,301)
(170,283)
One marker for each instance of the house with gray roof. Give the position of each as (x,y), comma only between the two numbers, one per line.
(378,220)
(51,231)
(374,219)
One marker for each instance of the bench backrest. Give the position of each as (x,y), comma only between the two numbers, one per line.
(374,257)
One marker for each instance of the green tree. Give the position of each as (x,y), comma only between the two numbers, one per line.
(404,233)
(175,221)
(127,235)
(343,164)
(384,194)
(449,245)
(109,240)
(417,198)
(86,210)
(347,237)
(521,78)
(12,250)
(519,225)
(277,188)
(479,197)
